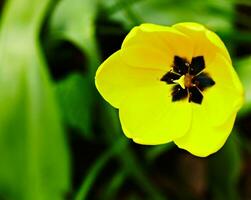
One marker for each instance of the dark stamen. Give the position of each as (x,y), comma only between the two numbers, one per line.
(195,81)
(195,95)
(180,65)
(178,93)
(197,65)
(169,77)
(203,81)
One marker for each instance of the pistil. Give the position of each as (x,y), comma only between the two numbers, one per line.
(188,81)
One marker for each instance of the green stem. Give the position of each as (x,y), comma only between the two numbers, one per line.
(114,185)
(96,169)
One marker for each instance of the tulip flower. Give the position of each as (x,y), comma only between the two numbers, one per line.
(173,84)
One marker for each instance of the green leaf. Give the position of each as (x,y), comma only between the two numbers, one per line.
(76,103)
(224,170)
(33,150)
(209,12)
(244,71)
(74,20)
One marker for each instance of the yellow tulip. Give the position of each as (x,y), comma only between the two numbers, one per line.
(173,84)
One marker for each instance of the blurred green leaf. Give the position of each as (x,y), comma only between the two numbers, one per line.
(244,2)
(224,170)
(97,167)
(244,70)
(134,168)
(33,151)
(75,103)
(74,20)
(113,186)
(216,15)
(156,151)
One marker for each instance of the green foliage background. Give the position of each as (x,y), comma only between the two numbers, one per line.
(60,140)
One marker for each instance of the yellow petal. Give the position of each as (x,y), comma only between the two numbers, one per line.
(223,73)
(213,120)
(203,139)
(164,38)
(218,104)
(114,79)
(224,98)
(148,115)
(146,56)
(215,39)
(206,43)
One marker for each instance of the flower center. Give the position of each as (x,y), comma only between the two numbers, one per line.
(189,79)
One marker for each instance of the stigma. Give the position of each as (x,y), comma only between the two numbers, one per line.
(185,81)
